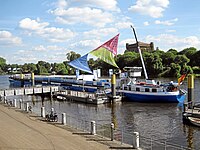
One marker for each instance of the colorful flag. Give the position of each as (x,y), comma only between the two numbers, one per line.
(180,80)
(105,51)
(111,45)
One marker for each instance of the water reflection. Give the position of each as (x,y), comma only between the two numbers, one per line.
(190,137)
(113,114)
(189,131)
(33,100)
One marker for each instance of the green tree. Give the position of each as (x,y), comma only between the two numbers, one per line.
(186,70)
(175,52)
(153,64)
(181,60)
(195,59)
(174,71)
(43,67)
(128,59)
(168,58)
(29,67)
(3,65)
(72,56)
(60,68)
(196,70)
(188,52)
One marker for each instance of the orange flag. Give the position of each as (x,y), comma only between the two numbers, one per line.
(181,79)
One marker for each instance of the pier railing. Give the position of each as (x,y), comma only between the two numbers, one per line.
(120,135)
(28,90)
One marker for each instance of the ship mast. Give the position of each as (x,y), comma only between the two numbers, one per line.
(143,65)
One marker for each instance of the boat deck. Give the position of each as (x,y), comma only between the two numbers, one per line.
(190,112)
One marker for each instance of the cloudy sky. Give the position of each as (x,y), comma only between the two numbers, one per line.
(33,30)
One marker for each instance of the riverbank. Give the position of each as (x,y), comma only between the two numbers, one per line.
(20,130)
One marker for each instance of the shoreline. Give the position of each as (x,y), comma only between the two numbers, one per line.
(22,130)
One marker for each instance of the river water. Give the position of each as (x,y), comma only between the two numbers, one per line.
(162,121)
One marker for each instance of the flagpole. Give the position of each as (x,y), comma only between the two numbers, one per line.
(143,65)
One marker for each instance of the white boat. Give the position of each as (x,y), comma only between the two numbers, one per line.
(194,121)
(149,90)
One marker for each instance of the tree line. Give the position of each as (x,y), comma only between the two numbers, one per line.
(158,63)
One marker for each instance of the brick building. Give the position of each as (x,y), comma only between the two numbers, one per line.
(143,46)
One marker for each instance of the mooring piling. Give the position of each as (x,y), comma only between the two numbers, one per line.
(190,90)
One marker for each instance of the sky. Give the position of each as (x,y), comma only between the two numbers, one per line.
(35,30)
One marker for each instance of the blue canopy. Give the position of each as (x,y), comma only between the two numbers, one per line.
(81,64)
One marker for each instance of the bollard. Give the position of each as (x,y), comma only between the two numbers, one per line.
(112,131)
(20,103)
(14,103)
(93,128)
(1,97)
(136,140)
(5,100)
(43,112)
(64,118)
(27,106)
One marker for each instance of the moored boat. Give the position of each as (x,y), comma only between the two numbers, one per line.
(194,121)
(149,90)
(143,92)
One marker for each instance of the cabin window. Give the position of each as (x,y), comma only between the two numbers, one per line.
(154,90)
(125,88)
(137,89)
(147,90)
(129,88)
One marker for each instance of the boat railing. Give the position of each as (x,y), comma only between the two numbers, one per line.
(191,107)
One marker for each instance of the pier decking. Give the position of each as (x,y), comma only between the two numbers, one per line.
(85,97)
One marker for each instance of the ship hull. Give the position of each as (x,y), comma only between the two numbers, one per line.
(161,97)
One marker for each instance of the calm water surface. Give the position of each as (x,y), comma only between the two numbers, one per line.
(154,120)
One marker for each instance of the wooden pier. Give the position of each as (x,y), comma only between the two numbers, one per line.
(85,97)
(29,90)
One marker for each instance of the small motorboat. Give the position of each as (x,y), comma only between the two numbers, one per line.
(195,121)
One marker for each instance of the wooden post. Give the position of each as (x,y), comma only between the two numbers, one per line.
(33,79)
(22,79)
(113,86)
(190,90)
